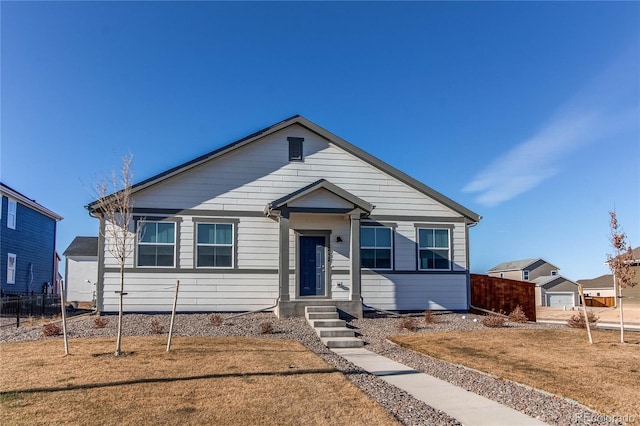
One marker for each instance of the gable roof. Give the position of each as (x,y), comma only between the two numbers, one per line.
(471,216)
(82,246)
(547,279)
(518,265)
(10,192)
(603,281)
(320,184)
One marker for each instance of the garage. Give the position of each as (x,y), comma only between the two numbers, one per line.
(560,300)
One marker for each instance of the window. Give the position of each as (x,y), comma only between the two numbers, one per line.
(11,268)
(12,207)
(295,149)
(525,275)
(554,273)
(214,245)
(156,244)
(434,249)
(375,247)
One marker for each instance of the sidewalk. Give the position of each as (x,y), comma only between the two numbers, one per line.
(467,407)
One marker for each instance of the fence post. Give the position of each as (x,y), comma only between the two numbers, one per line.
(18,311)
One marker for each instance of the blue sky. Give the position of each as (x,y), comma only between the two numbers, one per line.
(526,112)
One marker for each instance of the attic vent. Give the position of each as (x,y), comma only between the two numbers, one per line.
(295,149)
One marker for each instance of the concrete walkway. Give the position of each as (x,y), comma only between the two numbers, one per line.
(467,407)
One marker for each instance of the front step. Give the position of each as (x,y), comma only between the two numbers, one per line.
(342,342)
(321,315)
(333,332)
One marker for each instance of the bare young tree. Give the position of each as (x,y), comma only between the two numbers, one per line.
(620,263)
(115,207)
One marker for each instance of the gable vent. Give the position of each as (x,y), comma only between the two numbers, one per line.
(295,149)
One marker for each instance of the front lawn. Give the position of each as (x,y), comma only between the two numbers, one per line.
(604,376)
(222,380)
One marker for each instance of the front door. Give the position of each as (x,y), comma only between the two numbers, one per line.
(312,266)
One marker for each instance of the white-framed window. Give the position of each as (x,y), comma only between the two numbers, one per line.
(434,249)
(11,268)
(554,273)
(12,210)
(295,149)
(501,274)
(214,245)
(376,247)
(525,275)
(156,244)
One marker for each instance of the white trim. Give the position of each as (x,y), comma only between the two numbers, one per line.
(195,254)
(12,213)
(376,247)
(448,248)
(11,271)
(139,243)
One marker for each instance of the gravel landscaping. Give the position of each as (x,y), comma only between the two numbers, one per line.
(374,330)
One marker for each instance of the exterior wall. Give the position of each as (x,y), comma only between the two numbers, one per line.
(33,243)
(510,275)
(238,186)
(599,292)
(78,271)
(540,269)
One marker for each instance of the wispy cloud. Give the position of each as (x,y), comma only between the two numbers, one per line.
(602,108)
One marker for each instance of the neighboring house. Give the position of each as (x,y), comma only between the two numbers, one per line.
(604,284)
(81,269)
(556,291)
(524,270)
(290,216)
(28,258)
(598,287)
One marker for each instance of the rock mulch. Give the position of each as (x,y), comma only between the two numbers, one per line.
(374,330)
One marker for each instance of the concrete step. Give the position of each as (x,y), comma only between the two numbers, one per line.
(327,323)
(322,315)
(335,332)
(342,342)
(320,309)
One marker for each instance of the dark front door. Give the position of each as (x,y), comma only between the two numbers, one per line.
(312,266)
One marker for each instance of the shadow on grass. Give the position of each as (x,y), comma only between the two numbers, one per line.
(10,393)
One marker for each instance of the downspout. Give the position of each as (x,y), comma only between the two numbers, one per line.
(468,243)
(100,277)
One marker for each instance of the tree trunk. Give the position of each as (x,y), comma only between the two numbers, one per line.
(621,311)
(120,309)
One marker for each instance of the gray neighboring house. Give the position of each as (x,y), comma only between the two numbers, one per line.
(81,269)
(524,270)
(552,289)
(556,291)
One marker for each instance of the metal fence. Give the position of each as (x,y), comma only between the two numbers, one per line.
(17,307)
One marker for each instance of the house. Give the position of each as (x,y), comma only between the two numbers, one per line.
(556,291)
(524,270)
(603,286)
(28,258)
(81,269)
(551,288)
(287,217)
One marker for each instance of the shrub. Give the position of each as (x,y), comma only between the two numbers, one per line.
(216,320)
(577,320)
(430,318)
(409,324)
(266,328)
(493,321)
(52,330)
(518,315)
(100,322)
(156,328)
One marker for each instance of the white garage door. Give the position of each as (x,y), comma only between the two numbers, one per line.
(559,300)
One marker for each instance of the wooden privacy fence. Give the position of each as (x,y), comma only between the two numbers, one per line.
(500,294)
(599,301)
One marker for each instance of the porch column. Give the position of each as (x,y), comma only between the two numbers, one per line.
(283,263)
(354,254)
